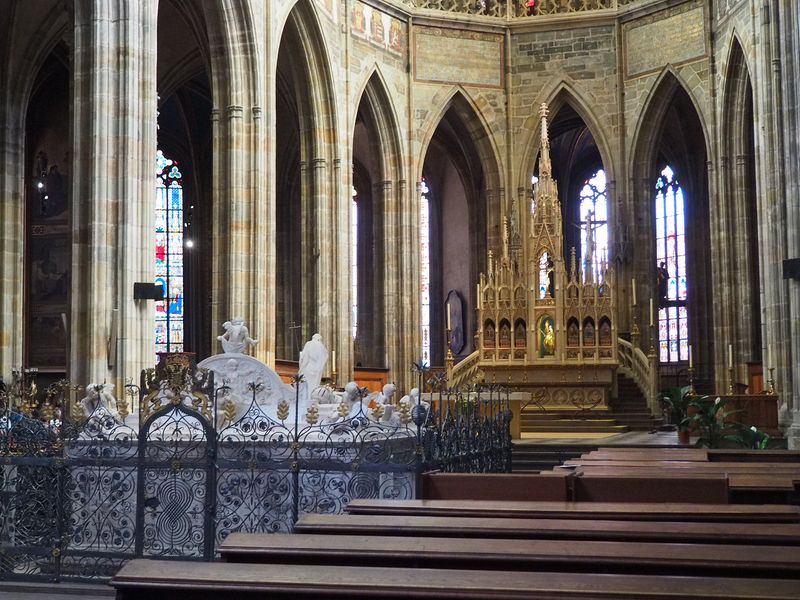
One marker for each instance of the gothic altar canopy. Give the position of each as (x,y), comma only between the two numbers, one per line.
(541,325)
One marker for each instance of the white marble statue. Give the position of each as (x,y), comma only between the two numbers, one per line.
(313,359)
(98,397)
(236,338)
(388,393)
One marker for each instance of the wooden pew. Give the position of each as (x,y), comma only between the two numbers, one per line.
(782,534)
(650,487)
(182,580)
(495,486)
(641,511)
(514,555)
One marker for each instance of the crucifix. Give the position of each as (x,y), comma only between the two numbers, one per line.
(589,224)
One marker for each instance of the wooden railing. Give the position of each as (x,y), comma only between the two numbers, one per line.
(636,365)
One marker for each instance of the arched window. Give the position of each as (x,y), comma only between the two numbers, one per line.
(169,254)
(425,270)
(594,227)
(673,328)
(354,259)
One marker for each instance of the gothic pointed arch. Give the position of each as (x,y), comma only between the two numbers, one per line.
(738,209)
(563,94)
(670,156)
(461,172)
(376,240)
(307,198)
(38,64)
(582,168)
(185,136)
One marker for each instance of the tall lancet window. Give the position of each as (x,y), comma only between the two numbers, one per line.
(673,328)
(594,227)
(169,254)
(354,259)
(425,270)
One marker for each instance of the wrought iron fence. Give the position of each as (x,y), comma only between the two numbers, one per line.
(80,496)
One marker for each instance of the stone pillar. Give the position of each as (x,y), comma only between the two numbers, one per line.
(113,188)
(12,239)
(788,358)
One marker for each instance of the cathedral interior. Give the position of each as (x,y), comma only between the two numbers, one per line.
(354,169)
(536,217)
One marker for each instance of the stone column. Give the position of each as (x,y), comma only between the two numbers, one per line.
(113,188)
(788,357)
(12,239)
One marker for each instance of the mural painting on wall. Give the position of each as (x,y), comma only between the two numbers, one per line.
(49,270)
(48,296)
(328,7)
(48,340)
(547,337)
(377,28)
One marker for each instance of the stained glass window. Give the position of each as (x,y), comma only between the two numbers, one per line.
(425,270)
(673,328)
(594,227)
(169,254)
(354,259)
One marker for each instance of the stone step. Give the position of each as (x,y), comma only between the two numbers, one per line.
(566,429)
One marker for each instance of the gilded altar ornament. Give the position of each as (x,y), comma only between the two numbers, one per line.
(312,414)
(343,409)
(404,413)
(377,410)
(283,410)
(229,409)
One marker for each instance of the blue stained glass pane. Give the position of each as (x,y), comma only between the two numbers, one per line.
(670,232)
(169,255)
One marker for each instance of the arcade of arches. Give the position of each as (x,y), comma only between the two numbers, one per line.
(302,143)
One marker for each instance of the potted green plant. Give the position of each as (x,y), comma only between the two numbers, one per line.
(712,421)
(753,438)
(679,401)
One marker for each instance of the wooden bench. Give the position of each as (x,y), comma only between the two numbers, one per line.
(182,580)
(650,487)
(514,555)
(746,513)
(495,486)
(776,534)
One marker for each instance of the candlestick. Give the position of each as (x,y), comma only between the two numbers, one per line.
(633,289)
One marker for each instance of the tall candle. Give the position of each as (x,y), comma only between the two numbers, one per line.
(730,356)
(448,316)
(478,293)
(770,364)
(691,364)
(651,312)
(333,360)
(633,289)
